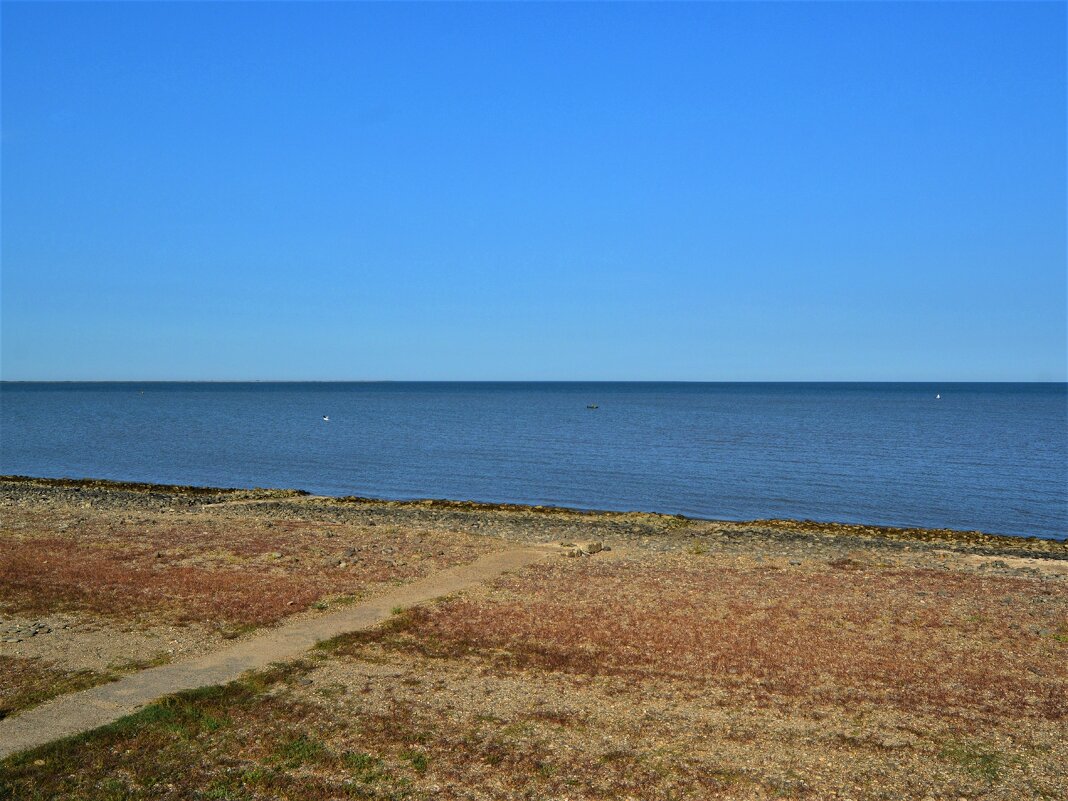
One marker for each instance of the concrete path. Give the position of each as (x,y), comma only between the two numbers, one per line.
(80,712)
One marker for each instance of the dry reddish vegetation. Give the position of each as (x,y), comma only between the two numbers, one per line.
(627,679)
(982,648)
(674,677)
(233,567)
(255,740)
(113,583)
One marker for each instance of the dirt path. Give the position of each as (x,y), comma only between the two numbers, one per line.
(83,711)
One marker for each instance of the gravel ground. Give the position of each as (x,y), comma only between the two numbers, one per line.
(687,659)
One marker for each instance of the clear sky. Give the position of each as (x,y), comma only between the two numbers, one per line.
(533,191)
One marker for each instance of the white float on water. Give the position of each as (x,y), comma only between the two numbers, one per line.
(326,418)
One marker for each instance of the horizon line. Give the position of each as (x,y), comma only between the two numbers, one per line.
(517,381)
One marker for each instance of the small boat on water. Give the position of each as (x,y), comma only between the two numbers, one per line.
(592,406)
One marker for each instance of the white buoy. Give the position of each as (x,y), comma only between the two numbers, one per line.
(938,397)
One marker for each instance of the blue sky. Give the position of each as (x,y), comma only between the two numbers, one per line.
(533,191)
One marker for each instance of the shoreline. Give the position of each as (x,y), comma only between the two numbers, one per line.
(888,532)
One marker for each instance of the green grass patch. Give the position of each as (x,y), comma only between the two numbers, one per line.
(364,767)
(157,745)
(238,741)
(419,761)
(300,749)
(976,760)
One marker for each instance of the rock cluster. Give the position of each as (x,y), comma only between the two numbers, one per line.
(584,549)
(18,632)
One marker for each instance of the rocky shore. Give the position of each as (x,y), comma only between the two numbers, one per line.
(648,531)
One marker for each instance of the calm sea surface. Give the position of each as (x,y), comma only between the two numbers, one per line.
(986,456)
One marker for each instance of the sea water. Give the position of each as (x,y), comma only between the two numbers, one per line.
(992,457)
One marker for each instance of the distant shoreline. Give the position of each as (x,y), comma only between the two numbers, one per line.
(642,381)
